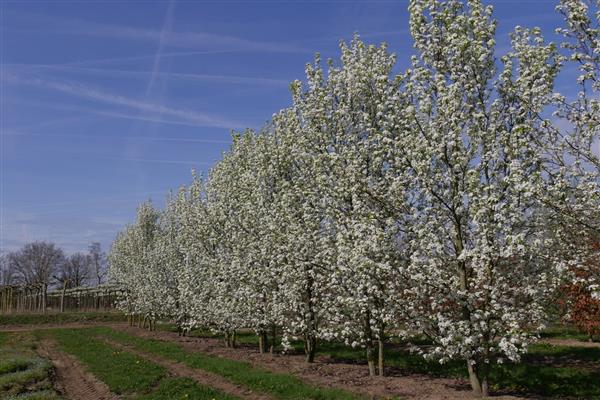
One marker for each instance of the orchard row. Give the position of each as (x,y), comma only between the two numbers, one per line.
(449,201)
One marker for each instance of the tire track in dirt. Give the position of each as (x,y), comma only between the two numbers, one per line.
(72,380)
(181,370)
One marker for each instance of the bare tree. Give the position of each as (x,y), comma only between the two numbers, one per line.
(7,275)
(97,262)
(75,271)
(34,266)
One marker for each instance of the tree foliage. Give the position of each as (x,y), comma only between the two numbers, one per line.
(440,201)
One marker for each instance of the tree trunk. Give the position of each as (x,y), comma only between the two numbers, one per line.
(273,338)
(381,360)
(45,297)
(230,339)
(477,371)
(369,344)
(310,340)
(310,348)
(62,297)
(478,377)
(474,379)
(371,358)
(484,374)
(262,342)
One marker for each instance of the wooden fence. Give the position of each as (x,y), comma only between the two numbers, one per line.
(33,298)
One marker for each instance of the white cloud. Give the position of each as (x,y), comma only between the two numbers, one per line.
(184,115)
(190,40)
(229,79)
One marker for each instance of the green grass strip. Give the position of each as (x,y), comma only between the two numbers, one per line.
(40,395)
(564,332)
(123,372)
(278,385)
(61,318)
(34,374)
(126,373)
(184,389)
(14,364)
(23,375)
(527,377)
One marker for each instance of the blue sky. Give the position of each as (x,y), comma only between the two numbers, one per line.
(108,103)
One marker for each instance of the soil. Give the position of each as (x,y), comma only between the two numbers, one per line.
(72,380)
(202,377)
(326,373)
(75,383)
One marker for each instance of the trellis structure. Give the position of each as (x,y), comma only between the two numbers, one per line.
(22,298)
(30,298)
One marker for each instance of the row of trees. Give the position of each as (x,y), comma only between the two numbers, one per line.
(38,266)
(449,201)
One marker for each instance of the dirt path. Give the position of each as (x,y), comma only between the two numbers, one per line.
(72,381)
(202,377)
(327,373)
(68,325)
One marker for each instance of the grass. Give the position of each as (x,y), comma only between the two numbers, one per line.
(61,318)
(549,371)
(547,381)
(121,371)
(528,377)
(278,385)
(41,395)
(23,375)
(127,374)
(564,332)
(183,389)
(4,338)
(11,365)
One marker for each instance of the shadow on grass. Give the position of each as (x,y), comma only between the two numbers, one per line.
(547,370)
(564,332)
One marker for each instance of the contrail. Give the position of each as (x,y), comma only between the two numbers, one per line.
(164,37)
(93,94)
